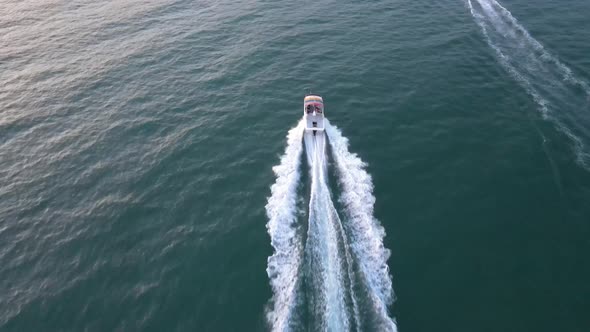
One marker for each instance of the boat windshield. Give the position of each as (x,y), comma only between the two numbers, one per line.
(310,108)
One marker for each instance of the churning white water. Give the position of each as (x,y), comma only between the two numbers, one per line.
(281,209)
(364,231)
(338,254)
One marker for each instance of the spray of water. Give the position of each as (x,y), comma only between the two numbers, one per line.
(322,247)
(339,259)
(364,231)
(281,209)
(560,95)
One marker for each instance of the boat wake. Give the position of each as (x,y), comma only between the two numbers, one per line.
(334,277)
(562,98)
(281,209)
(364,230)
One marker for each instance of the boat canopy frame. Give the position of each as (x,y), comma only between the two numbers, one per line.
(313,103)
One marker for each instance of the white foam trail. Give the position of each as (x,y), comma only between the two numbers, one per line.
(564,71)
(325,263)
(324,259)
(551,83)
(281,209)
(363,229)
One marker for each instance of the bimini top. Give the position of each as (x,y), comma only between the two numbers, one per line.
(313,103)
(313,98)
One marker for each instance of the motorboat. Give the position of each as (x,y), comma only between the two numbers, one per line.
(313,111)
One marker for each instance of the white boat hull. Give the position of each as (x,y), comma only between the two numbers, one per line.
(313,111)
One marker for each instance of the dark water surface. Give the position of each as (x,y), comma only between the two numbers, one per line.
(137,140)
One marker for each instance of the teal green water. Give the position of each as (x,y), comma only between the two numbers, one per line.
(137,140)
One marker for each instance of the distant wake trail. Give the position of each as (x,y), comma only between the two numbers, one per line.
(563,98)
(339,271)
